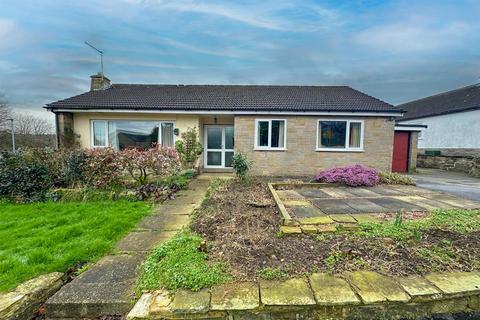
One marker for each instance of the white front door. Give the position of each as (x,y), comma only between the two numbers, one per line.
(219,145)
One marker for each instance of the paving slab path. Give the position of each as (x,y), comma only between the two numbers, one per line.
(107,287)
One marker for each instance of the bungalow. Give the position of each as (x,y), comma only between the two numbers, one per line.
(285,130)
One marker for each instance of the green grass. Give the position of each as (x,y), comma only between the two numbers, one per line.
(46,237)
(179,263)
(462,221)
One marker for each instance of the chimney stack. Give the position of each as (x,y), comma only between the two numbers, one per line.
(99,82)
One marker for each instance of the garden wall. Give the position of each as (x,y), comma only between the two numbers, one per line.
(467,161)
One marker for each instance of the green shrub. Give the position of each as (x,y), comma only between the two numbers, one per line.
(395,178)
(180,263)
(23,178)
(272,274)
(188,148)
(241,165)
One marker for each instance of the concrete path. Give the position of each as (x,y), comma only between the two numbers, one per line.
(455,183)
(107,287)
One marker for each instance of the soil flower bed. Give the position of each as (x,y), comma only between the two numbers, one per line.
(241,224)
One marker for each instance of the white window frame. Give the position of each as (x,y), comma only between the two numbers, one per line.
(347,136)
(269,147)
(107,142)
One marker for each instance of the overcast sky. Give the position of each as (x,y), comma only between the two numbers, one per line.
(394,50)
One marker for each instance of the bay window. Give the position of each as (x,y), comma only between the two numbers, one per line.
(270,134)
(340,135)
(120,134)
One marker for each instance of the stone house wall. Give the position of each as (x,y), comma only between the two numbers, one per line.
(301,159)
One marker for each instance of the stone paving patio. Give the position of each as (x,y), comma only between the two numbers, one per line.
(317,204)
(353,295)
(107,287)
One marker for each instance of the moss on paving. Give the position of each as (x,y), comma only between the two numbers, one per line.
(46,237)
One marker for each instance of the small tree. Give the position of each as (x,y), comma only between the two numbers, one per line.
(241,164)
(189,149)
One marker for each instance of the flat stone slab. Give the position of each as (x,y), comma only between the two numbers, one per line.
(289,194)
(456,282)
(343,218)
(326,228)
(330,290)
(306,212)
(290,230)
(297,203)
(292,292)
(175,209)
(373,287)
(164,222)
(386,190)
(235,296)
(395,205)
(142,241)
(333,206)
(364,192)
(368,217)
(365,206)
(425,202)
(418,288)
(338,192)
(190,302)
(112,269)
(456,201)
(316,220)
(313,193)
(309,229)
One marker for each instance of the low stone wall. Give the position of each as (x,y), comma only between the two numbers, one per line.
(467,164)
(22,303)
(354,295)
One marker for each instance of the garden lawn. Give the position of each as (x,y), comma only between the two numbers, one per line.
(46,237)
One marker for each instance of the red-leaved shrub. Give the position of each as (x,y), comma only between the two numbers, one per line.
(102,168)
(356,175)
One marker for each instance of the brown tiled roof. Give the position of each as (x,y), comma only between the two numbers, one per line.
(463,99)
(225,98)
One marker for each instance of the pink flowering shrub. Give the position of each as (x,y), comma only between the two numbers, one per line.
(101,168)
(354,176)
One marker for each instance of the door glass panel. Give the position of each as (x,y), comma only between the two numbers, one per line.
(228,158)
(229,138)
(214,138)
(214,158)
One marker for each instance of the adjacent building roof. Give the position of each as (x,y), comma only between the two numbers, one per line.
(225,98)
(463,99)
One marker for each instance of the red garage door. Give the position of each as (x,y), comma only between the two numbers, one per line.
(400,151)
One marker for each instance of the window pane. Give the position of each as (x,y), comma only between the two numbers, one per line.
(333,134)
(355,132)
(138,134)
(99,134)
(278,134)
(214,138)
(228,159)
(229,138)
(214,158)
(263,134)
(167,134)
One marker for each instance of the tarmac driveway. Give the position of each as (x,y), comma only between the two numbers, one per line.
(454,183)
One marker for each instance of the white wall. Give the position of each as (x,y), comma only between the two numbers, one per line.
(456,130)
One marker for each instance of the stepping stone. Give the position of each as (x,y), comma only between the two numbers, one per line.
(332,206)
(412,190)
(313,193)
(290,230)
(142,241)
(426,203)
(343,218)
(316,220)
(367,218)
(327,228)
(373,287)
(306,212)
(112,269)
(289,194)
(385,190)
(330,290)
(395,205)
(236,296)
(419,288)
(365,206)
(292,292)
(176,209)
(297,203)
(456,282)
(186,301)
(309,229)
(363,192)
(338,193)
(164,222)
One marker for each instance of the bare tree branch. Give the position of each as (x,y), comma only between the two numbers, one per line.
(27,124)
(5,111)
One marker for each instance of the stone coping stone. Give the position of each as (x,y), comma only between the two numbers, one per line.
(316,220)
(330,290)
(191,302)
(291,292)
(373,287)
(456,282)
(419,288)
(290,230)
(236,296)
(343,218)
